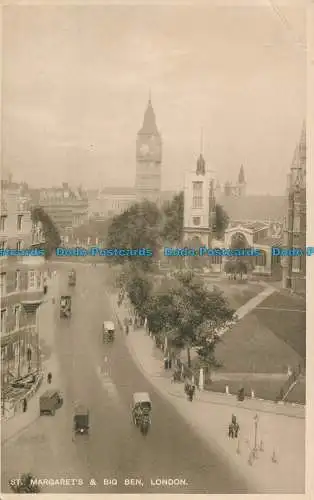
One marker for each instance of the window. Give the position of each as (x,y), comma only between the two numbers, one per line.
(38,279)
(17,279)
(217,259)
(3,284)
(17,313)
(197,194)
(19,222)
(196,221)
(3,222)
(19,244)
(3,320)
(31,279)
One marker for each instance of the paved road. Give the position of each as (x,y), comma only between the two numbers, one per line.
(104,378)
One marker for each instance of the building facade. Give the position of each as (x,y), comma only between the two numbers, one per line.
(260,235)
(199,204)
(66,207)
(148,159)
(294,267)
(111,201)
(22,287)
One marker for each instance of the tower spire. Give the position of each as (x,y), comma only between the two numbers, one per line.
(149,96)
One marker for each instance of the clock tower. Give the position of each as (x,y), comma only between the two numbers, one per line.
(148,158)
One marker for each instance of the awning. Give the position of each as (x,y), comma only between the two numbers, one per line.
(31,306)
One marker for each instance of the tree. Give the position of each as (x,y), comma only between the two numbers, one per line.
(241,267)
(51,233)
(221,221)
(173,213)
(136,228)
(138,288)
(186,310)
(26,484)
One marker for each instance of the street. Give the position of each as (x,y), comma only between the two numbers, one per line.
(104,378)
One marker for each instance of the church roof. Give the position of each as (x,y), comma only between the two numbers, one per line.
(149,124)
(254,208)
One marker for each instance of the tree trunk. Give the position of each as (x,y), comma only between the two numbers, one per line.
(188,350)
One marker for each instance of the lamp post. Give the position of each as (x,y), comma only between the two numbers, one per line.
(256,419)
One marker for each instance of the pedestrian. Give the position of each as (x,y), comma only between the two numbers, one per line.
(24,405)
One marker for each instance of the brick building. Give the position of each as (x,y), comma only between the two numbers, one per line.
(21,284)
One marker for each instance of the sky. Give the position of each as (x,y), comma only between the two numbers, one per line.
(76,81)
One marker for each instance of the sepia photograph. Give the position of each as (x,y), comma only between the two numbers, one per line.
(153,248)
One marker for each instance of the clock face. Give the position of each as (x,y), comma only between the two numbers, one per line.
(144,149)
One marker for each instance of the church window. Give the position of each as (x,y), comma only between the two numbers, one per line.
(196,221)
(198,194)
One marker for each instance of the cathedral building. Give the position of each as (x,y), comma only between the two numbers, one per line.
(294,267)
(148,159)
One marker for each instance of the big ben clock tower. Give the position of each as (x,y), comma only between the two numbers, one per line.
(148,158)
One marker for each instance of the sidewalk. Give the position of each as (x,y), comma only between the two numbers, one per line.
(280,435)
(255,301)
(20,421)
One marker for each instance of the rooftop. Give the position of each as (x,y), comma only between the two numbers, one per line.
(254,208)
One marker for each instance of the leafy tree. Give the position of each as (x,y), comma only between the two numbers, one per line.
(52,236)
(241,267)
(186,309)
(137,227)
(229,267)
(138,288)
(26,484)
(173,213)
(221,221)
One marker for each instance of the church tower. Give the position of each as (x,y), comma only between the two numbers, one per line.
(241,182)
(199,203)
(294,267)
(148,158)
